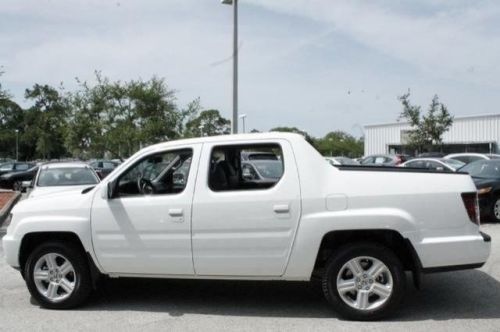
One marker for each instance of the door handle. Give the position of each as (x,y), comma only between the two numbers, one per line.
(175,212)
(281,208)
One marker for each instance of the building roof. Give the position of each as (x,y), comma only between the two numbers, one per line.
(456,118)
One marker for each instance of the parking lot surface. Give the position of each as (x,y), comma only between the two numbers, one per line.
(452,301)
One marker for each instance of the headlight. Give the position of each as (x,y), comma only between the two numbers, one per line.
(7,221)
(484,190)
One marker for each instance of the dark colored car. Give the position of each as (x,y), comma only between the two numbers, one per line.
(15,166)
(103,167)
(14,180)
(486,176)
(384,160)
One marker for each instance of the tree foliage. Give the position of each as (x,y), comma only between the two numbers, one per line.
(208,123)
(427,129)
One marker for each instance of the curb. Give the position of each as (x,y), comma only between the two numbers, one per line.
(4,212)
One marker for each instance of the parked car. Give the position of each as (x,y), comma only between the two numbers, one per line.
(471,157)
(337,161)
(262,171)
(384,160)
(346,226)
(486,176)
(14,166)
(103,167)
(438,164)
(14,180)
(431,155)
(61,177)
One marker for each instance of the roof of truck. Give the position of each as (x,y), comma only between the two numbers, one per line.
(229,138)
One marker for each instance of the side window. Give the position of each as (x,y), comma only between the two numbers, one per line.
(231,169)
(108,165)
(367,161)
(380,160)
(6,167)
(22,167)
(160,173)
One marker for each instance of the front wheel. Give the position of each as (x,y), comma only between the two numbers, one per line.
(496,209)
(364,281)
(57,275)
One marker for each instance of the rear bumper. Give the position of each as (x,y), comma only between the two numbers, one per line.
(453,253)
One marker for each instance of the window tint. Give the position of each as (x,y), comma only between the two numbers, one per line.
(108,165)
(6,167)
(231,169)
(22,167)
(161,173)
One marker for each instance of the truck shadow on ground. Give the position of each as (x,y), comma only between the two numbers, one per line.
(453,295)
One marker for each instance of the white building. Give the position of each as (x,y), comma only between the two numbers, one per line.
(478,133)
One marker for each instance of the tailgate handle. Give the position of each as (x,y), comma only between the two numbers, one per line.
(175,212)
(281,208)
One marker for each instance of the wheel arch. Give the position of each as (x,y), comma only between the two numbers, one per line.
(32,240)
(401,246)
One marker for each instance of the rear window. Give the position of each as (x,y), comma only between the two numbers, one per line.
(66,176)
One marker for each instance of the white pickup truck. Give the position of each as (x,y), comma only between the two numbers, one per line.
(196,209)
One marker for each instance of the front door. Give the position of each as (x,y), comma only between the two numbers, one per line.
(246,209)
(145,228)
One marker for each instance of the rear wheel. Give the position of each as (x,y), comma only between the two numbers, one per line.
(57,275)
(364,281)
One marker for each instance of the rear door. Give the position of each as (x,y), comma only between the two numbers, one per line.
(244,227)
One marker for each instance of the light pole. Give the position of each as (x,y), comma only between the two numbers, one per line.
(234,123)
(17,144)
(243,117)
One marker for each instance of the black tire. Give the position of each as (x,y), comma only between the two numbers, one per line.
(493,216)
(17,186)
(82,280)
(363,249)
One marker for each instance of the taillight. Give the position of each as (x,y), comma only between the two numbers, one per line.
(472,206)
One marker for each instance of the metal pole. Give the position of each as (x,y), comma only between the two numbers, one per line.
(17,144)
(244,125)
(235,68)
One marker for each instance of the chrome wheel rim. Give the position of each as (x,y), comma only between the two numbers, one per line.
(364,283)
(496,209)
(54,277)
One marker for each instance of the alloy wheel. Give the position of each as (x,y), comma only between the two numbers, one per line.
(54,277)
(364,283)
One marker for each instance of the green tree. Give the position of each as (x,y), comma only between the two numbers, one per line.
(11,119)
(427,129)
(295,130)
(117,118)
(45,122)
(208,123)
(339,143)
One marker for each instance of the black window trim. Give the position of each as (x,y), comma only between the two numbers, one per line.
(241,145)
(116,180)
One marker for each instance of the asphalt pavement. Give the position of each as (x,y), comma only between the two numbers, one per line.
(452,301)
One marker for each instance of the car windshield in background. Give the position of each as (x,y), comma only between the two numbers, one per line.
(67,176)
(454,163)
(483,169)
(269,168)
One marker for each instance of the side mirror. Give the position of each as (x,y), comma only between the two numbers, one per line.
(26,185)
(111,185)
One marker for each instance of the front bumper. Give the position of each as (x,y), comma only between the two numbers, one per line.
(11,248)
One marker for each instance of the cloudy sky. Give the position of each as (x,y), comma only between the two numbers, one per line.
(319,65)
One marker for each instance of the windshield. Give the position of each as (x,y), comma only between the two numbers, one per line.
(67,176)
(454,163)
(269,169)
(483,169)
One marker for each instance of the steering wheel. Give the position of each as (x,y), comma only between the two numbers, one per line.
(145,186)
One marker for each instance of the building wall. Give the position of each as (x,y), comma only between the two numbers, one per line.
(471,129)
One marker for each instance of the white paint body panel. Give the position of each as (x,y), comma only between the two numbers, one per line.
(239,235)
